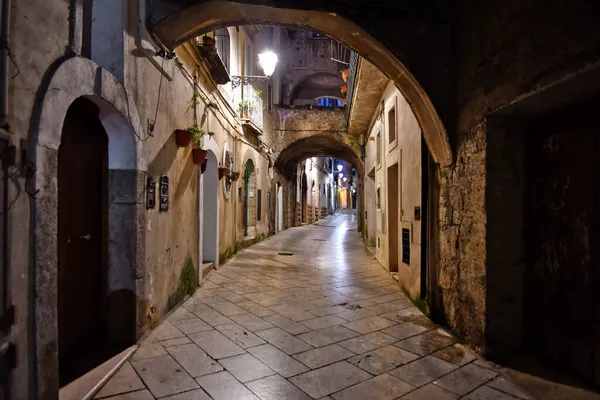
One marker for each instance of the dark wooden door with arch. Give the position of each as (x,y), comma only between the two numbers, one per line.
(82,243)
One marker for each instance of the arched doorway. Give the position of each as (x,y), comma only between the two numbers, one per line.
(249,199)
(279,207)
(210,213)
(304,197)
(82,242)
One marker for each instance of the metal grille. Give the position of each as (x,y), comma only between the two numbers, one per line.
(340,53)
(406,246)
(351,83)
(222,45)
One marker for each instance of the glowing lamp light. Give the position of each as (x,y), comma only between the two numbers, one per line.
(345,179)
(268,61)
(341,175)
(340,167)
(353,190)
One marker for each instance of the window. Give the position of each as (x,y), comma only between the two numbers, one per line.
(406,246)
(259,206)
(248,59)
(392,125)
(222,45)
(378,143)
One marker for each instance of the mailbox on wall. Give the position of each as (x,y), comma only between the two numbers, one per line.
(150,192)
(164,193)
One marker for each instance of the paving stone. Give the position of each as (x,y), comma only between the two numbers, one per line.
(423,371)
(123,381)
(179,314)
(354,315)
(163,376)
(465,379)
(323,322)
(233,297)
(277,360)
(284,341)
(149,350)
(165,331)
(223,386)
(246,368)
(242,337)
(251,322)
(211,317)
(256,309)
(323,356)
(404,330)
(195,361)
(405,315)
(228,308)
(262,299)
(488,393)
(175,342)
(383,359)
(292,312)
(139,395)
(504,385)
(328,310)
(188,326)
(430,392)
(323,337)
(286,324)
(394,297)
(364,343)
(368,325)
(276,388)
(382,387)
(216,344)
(426,343)
(330,379)
(197,394)
(456,354)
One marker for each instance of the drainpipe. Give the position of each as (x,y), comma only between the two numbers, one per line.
(4,63)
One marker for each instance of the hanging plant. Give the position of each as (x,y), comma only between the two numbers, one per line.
(198,154)
(223,172)
(233,175)
(345,73)
(344,89)
(344,101)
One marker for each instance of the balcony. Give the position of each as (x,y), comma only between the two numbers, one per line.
(251,108)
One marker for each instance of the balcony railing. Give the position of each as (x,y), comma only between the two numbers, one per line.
(251,107)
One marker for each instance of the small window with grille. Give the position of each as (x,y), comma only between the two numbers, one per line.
(406,246)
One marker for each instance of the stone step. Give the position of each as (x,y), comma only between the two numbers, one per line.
(207,266)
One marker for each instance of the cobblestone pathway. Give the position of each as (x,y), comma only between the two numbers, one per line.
(325,321)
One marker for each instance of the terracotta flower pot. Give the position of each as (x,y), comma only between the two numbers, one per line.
(222,172)
(245,115)
(199,156)
(345,73)
(234,176)
(203,166)
(344,101)
(183,137)
(344,89)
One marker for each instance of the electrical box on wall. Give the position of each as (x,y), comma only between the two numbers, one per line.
(417,213)
(150,192)
(164,193)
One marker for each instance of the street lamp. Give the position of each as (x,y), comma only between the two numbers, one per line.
(341,175)
(267,60)
(340,167)
(345,179)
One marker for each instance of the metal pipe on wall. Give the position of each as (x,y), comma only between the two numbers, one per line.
(4,29)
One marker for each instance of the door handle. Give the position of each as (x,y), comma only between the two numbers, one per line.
(86,237)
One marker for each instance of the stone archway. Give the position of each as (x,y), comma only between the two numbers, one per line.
(73,79)
(173,23)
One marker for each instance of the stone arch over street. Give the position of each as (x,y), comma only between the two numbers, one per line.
(73,81)
(174,24)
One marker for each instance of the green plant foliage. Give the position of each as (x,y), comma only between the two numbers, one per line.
(421,304)
(187,283)
(197,134)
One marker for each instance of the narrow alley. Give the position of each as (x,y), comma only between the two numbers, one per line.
(306,314)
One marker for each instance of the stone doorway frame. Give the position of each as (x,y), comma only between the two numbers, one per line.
(67,80)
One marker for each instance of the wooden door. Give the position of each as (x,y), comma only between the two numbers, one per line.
(82,188)
(393,218)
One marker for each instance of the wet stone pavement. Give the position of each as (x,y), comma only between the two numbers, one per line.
(327,322)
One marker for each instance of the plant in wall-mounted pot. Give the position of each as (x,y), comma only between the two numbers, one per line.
(183,137)
(345,73)
(208,41)
(233,175)
(203,166)
(198,154)
(344,89)
(223,171)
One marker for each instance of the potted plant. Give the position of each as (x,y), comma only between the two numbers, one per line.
(344,89)
(245,108)
(203,166)
(208,41)
(345,73)
(223,171)
(183,137)
(344,101)
(233,175)
(198,154)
